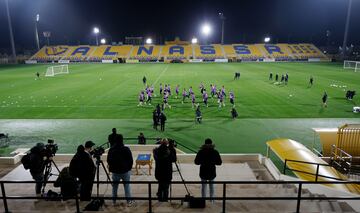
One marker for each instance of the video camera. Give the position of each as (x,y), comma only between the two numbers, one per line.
(50,148)
(97,152)
(172,143)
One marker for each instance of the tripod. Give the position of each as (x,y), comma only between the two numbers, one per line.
(47,173)
(98,163)
(182,179)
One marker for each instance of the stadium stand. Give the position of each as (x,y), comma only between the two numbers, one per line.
(176,52)
(146,53)
(182,51)
(107,52)
(208,52)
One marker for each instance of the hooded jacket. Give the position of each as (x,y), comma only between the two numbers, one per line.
(164,157)
(207,158)
(119,159)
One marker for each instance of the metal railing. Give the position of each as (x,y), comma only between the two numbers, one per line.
(316,174)
(150,198)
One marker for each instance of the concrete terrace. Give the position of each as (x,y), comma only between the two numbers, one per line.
(234,168)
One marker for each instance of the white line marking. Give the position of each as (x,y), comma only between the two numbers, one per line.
(162,72)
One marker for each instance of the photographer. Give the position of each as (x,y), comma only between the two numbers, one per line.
(120,162)
(164,156)
(82,166)
(38,160)
(207,158)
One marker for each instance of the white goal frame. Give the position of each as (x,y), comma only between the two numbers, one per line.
(56,70)
(355,65)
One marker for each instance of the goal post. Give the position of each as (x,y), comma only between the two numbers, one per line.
(55,70)
(355,65)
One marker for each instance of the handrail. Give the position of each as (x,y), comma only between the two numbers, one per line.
(224,197)
(312,163)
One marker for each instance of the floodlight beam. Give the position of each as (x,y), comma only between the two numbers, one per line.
(347,28)
(10,31)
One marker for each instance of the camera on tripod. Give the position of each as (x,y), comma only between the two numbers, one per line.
(97,152)
(50,148)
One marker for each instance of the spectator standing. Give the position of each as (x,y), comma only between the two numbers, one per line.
(208,158)
(120,162)
(112,137)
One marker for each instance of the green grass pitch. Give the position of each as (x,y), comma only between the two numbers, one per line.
(106,95)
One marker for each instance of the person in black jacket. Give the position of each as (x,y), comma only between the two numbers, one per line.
(164,156)
(162,121)
(37,156)
(207,158)
(67,184)
(112,137)
(120,162)
(155,119)
(82,166)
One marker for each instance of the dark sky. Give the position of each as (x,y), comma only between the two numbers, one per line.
(71,21)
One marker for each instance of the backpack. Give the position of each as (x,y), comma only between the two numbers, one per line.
(26,161)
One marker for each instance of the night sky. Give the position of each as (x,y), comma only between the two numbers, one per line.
(248,21)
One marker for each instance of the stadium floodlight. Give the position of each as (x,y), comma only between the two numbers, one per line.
(194,40)
(267,39)
(103,41)
(206,29)
(96,32)
(10,31)
(148,41)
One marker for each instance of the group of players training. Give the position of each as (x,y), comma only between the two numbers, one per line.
(146,95)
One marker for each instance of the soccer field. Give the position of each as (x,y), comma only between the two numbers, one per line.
(106,96)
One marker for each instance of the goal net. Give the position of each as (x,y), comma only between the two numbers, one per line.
(55,70)
(354,65)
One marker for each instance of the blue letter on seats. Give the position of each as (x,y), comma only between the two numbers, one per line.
(241,49)
(147,51)
(82,50)
(176,49)
(273,49)
(207,50)
(108,52)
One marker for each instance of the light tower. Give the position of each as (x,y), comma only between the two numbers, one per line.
(96,32)
(37,19)
(222,18)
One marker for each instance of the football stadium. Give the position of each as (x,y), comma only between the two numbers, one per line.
(213,115)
